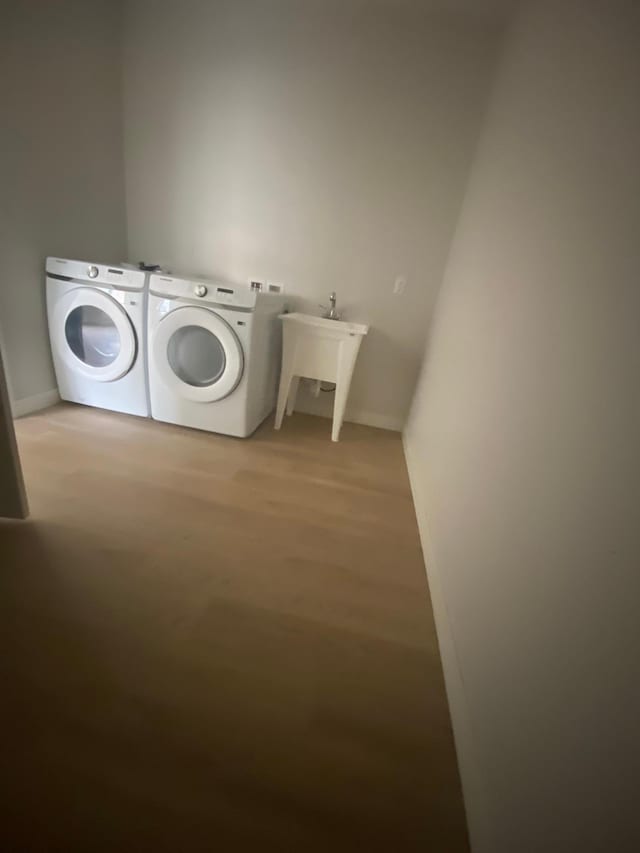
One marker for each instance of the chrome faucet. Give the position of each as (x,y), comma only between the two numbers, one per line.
(331,313)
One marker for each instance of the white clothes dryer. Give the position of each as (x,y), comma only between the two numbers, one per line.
(214,354)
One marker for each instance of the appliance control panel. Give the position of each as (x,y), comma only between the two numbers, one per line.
(211,292)
(123,277)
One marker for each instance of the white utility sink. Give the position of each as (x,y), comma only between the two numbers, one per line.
(321,349)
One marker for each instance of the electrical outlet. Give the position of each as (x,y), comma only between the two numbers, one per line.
(399,285)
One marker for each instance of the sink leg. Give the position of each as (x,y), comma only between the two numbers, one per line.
(346,362)
(338,411)
(283,392)
(339,405)
(293,392)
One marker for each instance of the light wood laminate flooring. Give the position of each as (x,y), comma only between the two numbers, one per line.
(219,644)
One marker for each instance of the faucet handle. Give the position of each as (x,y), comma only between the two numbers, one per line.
(332,301)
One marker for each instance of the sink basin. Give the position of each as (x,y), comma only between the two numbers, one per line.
(320,349)
(338,326)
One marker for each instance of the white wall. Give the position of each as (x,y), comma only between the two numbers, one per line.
(61,162)
(524,442)
(321,144)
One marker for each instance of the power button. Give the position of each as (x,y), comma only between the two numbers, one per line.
(93,272)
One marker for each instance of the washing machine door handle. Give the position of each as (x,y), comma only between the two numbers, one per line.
(197,354)
(93,334)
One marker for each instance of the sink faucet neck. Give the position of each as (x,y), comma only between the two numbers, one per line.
(331,313)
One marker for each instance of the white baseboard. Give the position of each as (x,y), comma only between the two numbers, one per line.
(375,420)
(473,785)
(357,416)
(27,405)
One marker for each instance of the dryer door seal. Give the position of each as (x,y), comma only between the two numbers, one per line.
(93,335)
(197,354)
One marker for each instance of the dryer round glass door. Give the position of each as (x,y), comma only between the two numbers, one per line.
(197,354)
(93,334)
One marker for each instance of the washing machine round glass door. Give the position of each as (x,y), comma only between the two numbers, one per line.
(93,334)
(197,354)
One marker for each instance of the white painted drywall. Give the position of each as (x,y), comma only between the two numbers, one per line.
(322,144)
(61,163)
(524,442)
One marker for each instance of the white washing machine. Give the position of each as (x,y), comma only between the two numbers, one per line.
(214,354)
(97,328)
